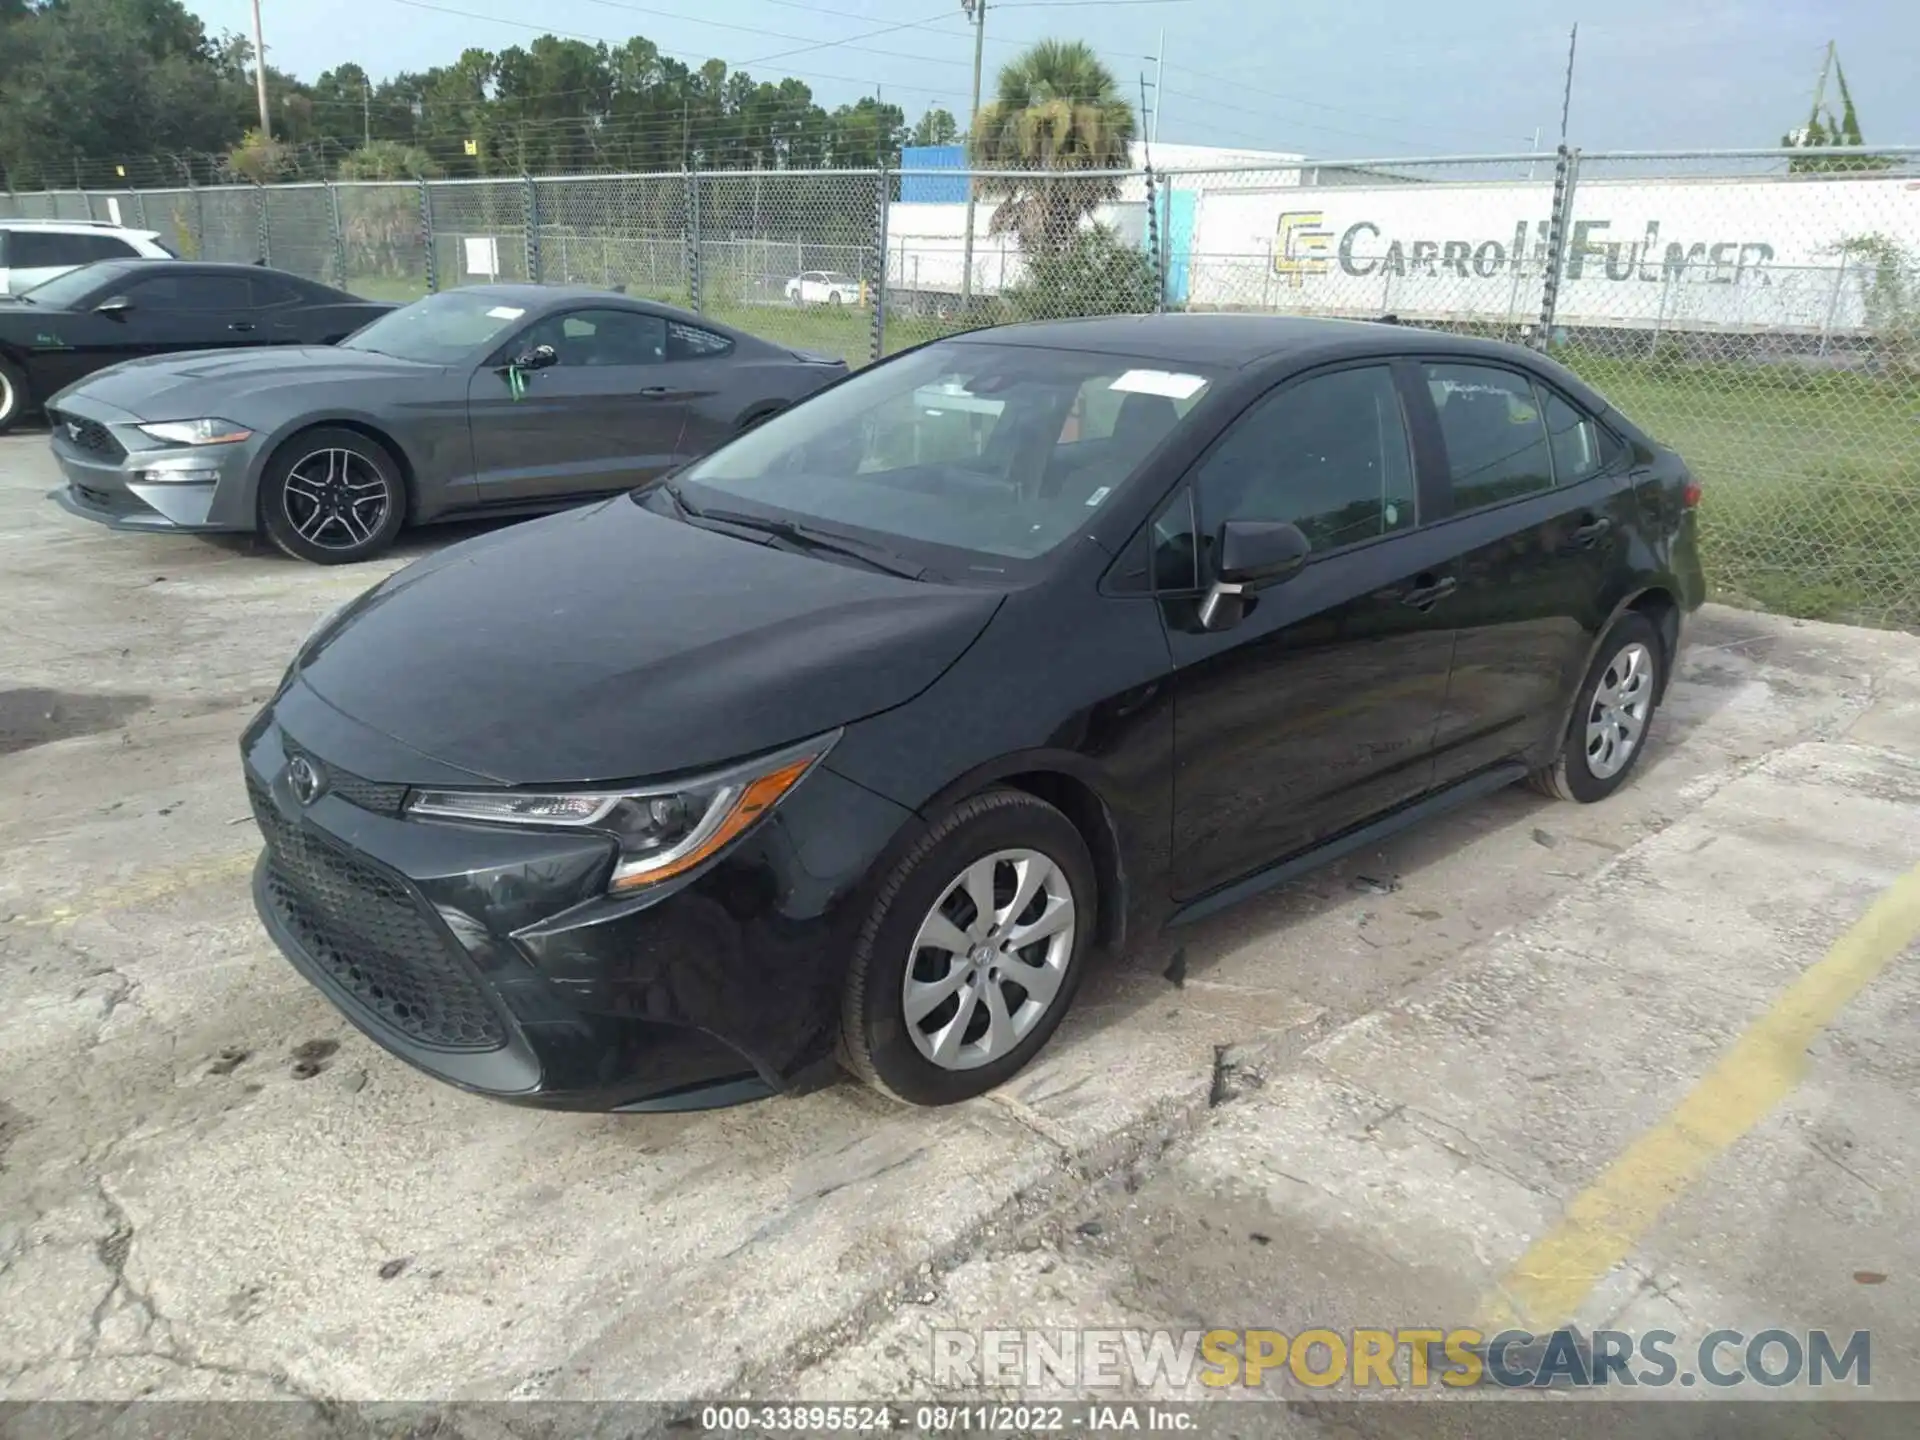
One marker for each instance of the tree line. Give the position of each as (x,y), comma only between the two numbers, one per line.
(136,92)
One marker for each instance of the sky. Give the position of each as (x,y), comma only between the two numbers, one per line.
(1351,79)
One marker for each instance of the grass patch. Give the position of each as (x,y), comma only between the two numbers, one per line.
(1811,479)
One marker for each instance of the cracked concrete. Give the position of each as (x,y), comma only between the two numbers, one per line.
(1349,1101)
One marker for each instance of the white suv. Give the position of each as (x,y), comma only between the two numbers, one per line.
(35,250)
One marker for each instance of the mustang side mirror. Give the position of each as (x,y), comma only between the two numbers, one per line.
(538,358)
(1251,554)
(113,307)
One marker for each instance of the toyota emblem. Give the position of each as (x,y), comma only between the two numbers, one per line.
(303,779)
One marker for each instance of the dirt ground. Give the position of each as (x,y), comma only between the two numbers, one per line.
(1533,1060)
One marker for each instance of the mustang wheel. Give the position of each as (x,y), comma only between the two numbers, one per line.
(1610,717)
(13,396)
(332,496)
(972,953)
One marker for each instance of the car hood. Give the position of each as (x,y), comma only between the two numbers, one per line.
(615,643)
(208,382)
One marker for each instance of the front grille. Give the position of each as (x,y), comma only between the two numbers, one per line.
(375,795)
(87,495)
(88,435)
(364,927)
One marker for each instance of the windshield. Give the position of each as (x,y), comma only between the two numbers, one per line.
(68,288)
(999,450)
(439,330)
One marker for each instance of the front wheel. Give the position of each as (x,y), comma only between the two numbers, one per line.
(332,496)
(13,396)
(972,953)
(836,299)
(1611,716)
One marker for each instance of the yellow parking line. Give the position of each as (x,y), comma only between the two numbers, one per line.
(1607,1220)
(146,886)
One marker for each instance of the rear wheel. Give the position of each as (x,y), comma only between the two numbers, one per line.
(836,299)
(972,953)
(13,396)
(332,496)
(1611,716)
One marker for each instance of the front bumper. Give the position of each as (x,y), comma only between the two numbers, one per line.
(110,479)
(491,957)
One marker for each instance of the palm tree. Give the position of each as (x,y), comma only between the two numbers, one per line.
(1057,108)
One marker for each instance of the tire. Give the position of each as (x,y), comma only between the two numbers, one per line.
(1629,665)
(318,497)
(836,299)
(14,396)
(996,832)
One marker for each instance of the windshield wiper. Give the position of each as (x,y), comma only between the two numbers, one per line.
(805,538)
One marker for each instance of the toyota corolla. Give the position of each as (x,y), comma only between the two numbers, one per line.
(862,737)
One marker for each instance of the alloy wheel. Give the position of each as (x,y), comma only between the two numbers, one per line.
(989,958)
(336,499)
(7,397)
(1617,718)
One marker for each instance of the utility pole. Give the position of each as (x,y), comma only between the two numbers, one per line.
(977,13)
(260,74)
(1159,90)
(366,112)
(1566,96)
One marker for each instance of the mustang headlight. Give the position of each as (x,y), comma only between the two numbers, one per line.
(663,830)
(197,432)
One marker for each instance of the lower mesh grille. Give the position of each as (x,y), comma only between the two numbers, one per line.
(368,932)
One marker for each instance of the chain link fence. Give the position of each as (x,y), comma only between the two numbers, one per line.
(1758,310)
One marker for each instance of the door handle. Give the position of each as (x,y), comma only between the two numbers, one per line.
(655,392)
(241,325)
(1586,536)
(1428,592)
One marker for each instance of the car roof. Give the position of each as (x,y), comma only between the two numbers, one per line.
(131,264)
(79,227)
(537,299)
(1231,341)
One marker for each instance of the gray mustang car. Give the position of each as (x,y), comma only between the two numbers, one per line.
(488,400)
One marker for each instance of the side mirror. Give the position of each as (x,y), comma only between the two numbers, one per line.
(538,358)
(113,307)
(1250,554)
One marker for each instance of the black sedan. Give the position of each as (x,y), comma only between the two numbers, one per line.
(488,400)
(98,315)
(860,736)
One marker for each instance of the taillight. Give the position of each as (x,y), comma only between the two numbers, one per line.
(1690,493)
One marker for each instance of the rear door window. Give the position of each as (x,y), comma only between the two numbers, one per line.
(1496,437)
(35,249)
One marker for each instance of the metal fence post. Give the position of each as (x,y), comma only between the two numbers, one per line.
(531,207)
(140,209)
(339,235)
(693,240)
(1566,172)
(426,235)
(265,228)
(1154,255)
(877,265)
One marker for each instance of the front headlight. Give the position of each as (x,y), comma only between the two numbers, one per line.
(197,432)
(663,831)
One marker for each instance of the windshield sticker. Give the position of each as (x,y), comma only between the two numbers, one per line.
(1170,383)
(1097,496)
(504,312)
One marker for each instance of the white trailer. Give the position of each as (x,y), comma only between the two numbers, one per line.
(1728,255)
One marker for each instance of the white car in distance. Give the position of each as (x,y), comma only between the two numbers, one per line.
(823,287)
